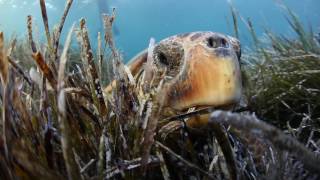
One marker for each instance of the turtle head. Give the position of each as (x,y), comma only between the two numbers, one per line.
(201,69)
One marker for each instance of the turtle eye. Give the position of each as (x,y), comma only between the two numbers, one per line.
(216,42)
(235,43)
(168,55)
(163,59)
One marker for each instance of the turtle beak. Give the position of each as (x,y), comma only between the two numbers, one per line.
(210,75)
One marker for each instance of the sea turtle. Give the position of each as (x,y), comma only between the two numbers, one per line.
(196,70)
(201,69)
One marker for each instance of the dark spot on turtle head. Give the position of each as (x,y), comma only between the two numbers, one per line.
(195,36)
(183,35)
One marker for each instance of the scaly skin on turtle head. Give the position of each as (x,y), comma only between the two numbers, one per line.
(202,69)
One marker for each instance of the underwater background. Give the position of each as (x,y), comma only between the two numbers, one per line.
(139,20)
(72,111)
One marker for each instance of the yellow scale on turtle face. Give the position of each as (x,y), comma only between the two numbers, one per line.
(203,68)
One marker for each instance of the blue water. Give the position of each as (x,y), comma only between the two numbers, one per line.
(138,20)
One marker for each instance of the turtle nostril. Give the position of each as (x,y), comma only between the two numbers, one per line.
(211,42)
(163,59)
(216,42)
(224,43)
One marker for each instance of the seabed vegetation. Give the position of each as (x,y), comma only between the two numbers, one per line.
(58,124)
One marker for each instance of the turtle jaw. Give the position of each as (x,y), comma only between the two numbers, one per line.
(208,78)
